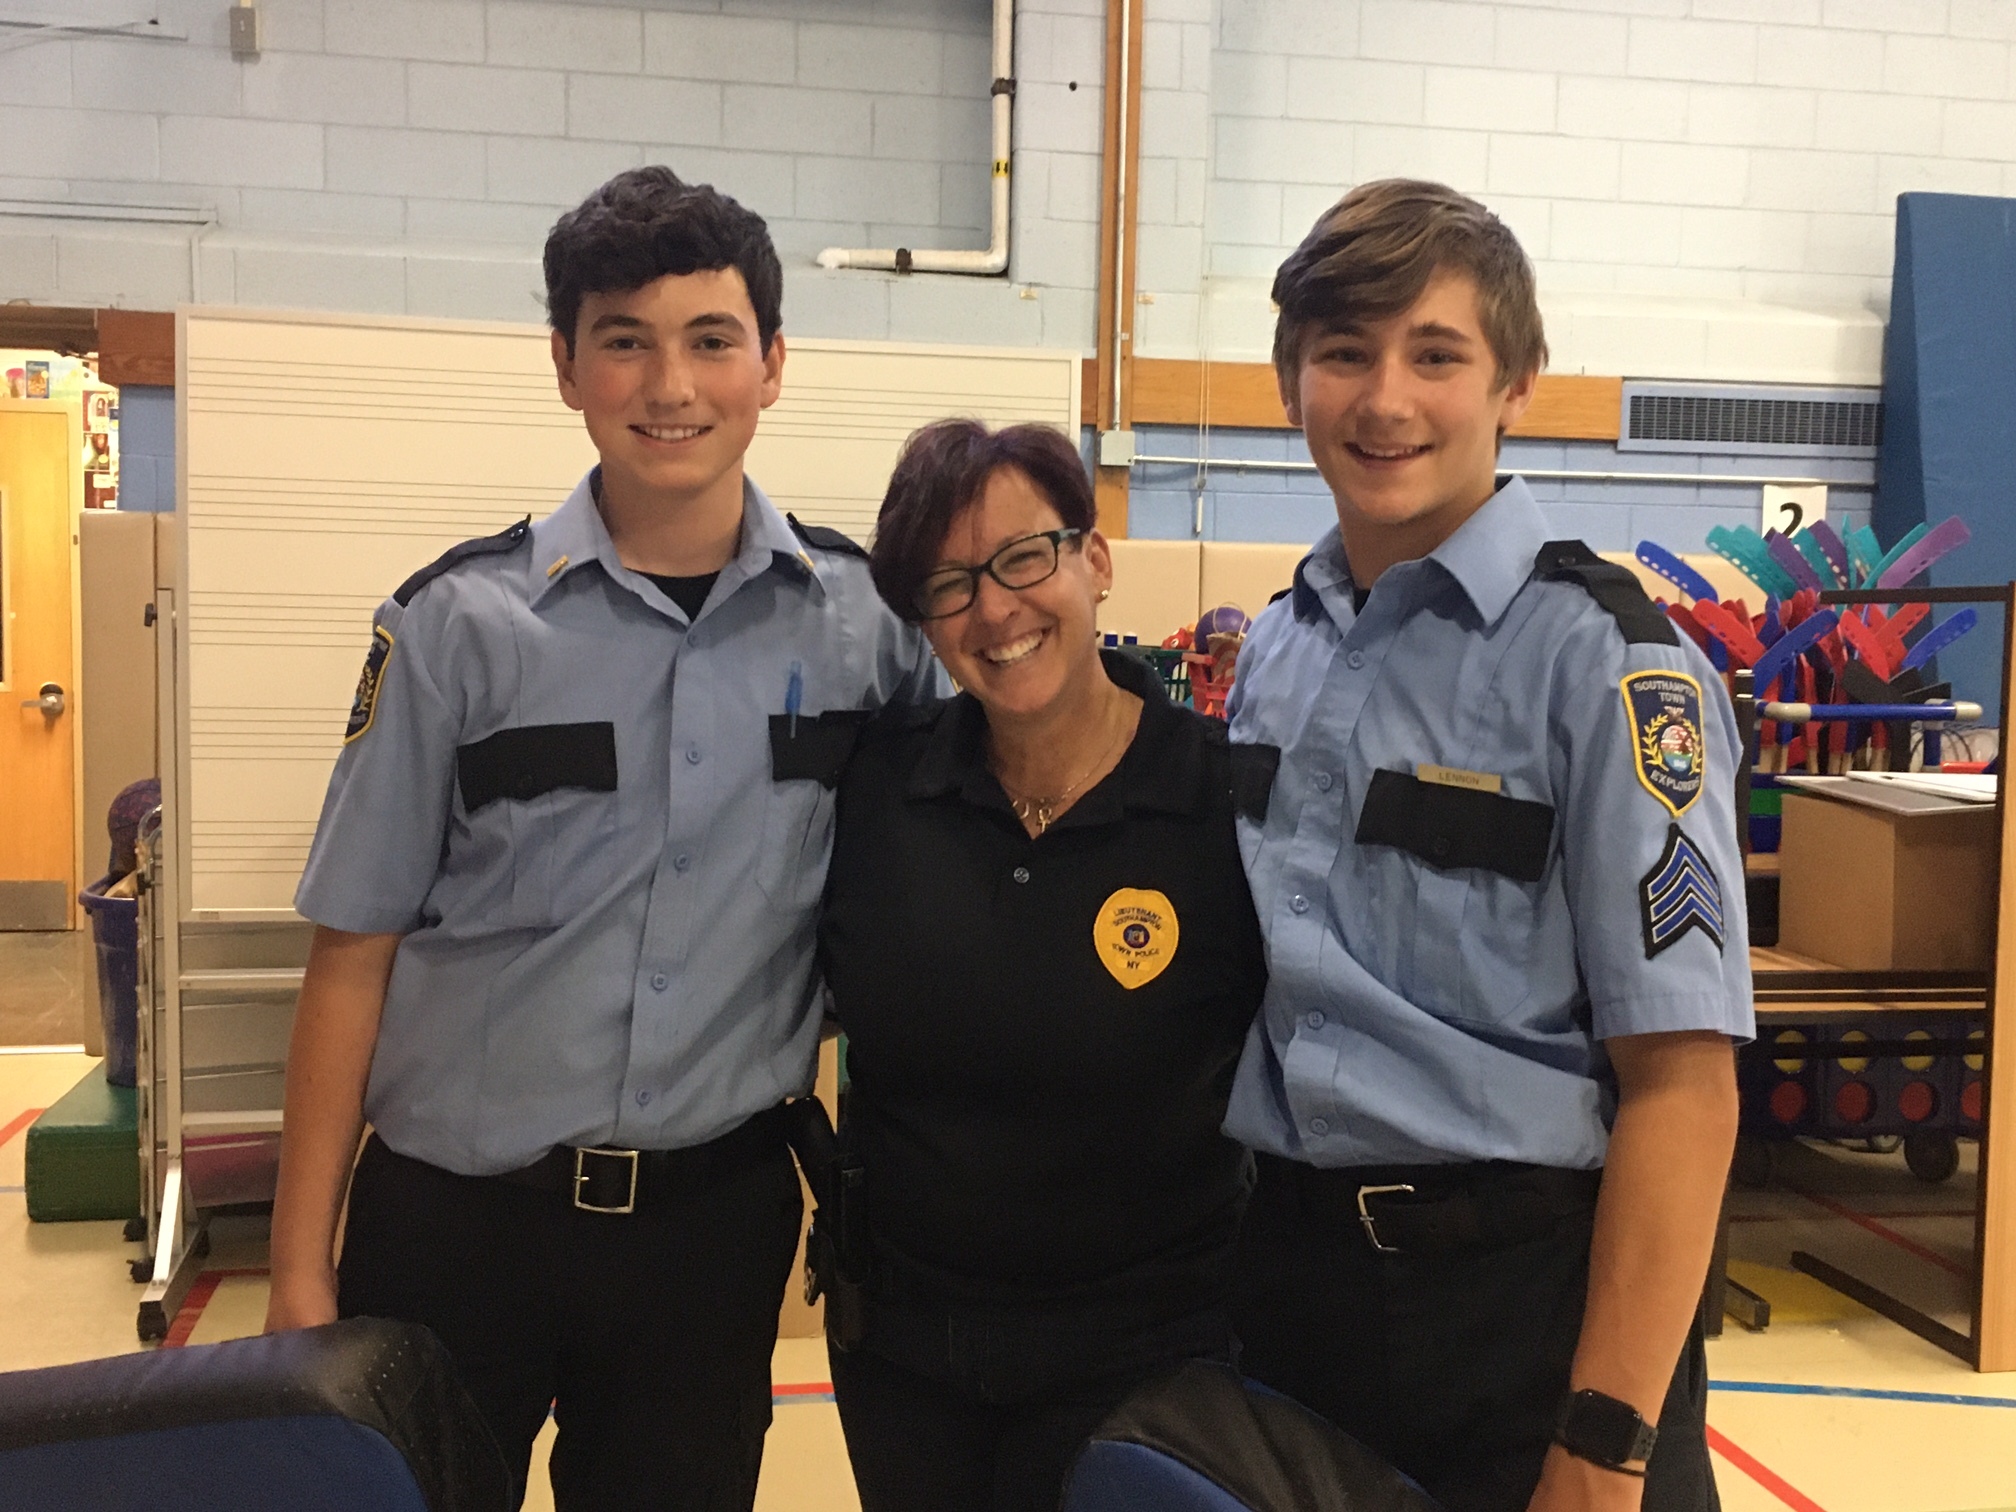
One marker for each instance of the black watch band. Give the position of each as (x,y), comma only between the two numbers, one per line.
(1604,1431)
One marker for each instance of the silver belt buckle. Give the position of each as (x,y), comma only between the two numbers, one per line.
(629,1204)
(1371,1223)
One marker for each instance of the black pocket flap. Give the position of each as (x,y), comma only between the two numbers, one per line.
(1253,769)
(819,748)
(1454,827)
(535,759)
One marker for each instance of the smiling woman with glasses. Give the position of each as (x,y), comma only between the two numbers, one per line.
(1040,944)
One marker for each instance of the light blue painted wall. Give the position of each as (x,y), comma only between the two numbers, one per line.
(146,448)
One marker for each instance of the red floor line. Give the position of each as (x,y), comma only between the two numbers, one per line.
(19,1122)
(1909,1246)
(201,1290)
(804,1388)
(1763,1474)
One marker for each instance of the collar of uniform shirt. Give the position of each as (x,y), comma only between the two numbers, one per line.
(1490,557)
(574,535)
(1162,770)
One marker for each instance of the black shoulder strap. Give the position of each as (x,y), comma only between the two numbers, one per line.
(827,539)
(1619,593)
(490,545)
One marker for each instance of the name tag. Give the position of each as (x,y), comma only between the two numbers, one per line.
(1478,782)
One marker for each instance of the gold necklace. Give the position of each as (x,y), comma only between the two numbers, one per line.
(1043,811)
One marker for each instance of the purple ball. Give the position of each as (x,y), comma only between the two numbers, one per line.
(1226,619)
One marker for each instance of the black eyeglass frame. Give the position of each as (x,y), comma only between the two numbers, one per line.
(1056,538)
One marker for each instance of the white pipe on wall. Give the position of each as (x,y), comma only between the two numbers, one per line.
(995,258)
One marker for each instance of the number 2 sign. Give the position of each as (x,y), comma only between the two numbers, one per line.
(1790,508)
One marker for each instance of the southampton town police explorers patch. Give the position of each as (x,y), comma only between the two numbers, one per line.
(364,708)
(1664,709)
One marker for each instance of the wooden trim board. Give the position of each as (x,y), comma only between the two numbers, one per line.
(1170,391)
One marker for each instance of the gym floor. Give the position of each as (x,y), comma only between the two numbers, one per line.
(1832,1409)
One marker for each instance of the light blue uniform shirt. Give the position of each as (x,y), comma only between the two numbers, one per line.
(1415,1014)
(630,967)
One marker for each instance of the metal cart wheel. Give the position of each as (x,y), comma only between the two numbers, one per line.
(1932,1157)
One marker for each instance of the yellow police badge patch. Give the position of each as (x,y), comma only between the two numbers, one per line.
(1135,935)
(1671,753)
(364,708)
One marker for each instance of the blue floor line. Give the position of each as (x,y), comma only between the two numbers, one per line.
(1790,1388)
(12,1190)
(801,1396)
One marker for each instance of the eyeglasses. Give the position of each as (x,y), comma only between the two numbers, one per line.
(1020,564)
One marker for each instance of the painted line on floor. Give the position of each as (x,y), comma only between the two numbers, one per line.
(12,1191)
(1898,1213)
(1763,1474)
(19,1122)
(41,1049)
(1881,1231)
(201,1290)
(1869,1393)
(797,1393)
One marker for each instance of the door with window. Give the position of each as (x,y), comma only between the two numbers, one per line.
(40,461)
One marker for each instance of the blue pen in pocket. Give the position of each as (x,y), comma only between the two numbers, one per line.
(794,694)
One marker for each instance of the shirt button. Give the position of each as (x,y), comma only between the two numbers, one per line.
(643,1099)
(1020,874)
(660,981)
(1319,1126)
(1323,781)
(1314,1020)
(1355,660)
(1298,904)
(693,755)
(681,861)
(696,638)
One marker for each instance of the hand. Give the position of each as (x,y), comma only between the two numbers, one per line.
(1569,1484)
(301,1301)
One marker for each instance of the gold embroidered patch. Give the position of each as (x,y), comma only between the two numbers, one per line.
(1136,935)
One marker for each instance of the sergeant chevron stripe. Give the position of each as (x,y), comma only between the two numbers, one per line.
(1679,894)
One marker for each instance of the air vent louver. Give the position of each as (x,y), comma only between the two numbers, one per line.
(1751,419)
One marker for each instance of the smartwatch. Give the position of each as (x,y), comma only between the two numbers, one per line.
(1605,1432)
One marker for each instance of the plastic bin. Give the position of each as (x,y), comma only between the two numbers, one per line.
(115,930)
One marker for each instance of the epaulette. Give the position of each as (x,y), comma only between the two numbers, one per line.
(1278,595)
(1615,589)
(490,545)
(827,539)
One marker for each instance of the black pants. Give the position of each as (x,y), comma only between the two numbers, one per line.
(1451,1365)
(967,1414)
(648,1333)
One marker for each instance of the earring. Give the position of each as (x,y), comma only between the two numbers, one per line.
(1105,594)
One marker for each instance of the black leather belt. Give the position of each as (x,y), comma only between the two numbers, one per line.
(1425,1210)
(598,1179)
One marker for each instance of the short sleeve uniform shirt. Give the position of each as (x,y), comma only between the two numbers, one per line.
(1502,832)
(568,796)
(1042,1033)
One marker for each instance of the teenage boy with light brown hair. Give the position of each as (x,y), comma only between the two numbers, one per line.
(1491,1091)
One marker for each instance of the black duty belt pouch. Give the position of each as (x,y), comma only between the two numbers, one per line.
(533,760)
(818,748)
(836,1246)
(1253,769)
(1202,1437)
(1452,827)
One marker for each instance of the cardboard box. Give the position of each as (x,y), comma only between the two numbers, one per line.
(1870,889)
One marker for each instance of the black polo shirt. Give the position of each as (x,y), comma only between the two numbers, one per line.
(1038,1078)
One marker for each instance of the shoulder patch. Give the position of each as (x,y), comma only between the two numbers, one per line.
(1668,748)
(490,545)
(1679,893)
(364,707)
(827,539)
(1619,593)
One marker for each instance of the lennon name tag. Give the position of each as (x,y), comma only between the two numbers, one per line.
(1483,782)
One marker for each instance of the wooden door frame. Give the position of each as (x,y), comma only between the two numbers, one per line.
(73,685)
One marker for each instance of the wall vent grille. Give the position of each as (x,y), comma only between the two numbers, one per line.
(1751,420)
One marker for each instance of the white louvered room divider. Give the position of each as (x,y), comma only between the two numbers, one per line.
(323,458)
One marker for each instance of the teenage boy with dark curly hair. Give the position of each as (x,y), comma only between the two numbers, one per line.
(1491,1090)
(564,886)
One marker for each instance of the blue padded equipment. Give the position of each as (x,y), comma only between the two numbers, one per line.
(1949,434)
(1202,1439)
(363,1413)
